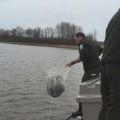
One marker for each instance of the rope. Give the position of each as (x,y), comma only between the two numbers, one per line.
(69,117)
(50,109)
(78,74)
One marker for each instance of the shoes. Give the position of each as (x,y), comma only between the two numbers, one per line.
(76,114)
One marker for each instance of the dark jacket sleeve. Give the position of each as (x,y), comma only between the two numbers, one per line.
(100,50)
(84,54)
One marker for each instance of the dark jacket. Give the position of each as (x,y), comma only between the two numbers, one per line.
(111,52)
(89,54)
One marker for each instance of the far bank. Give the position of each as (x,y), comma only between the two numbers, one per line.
(49,42)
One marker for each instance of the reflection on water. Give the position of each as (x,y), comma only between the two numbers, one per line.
(23,94)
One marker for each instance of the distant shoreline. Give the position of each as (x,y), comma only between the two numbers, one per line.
(46,45)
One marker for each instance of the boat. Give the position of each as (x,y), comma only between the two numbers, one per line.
(90,97)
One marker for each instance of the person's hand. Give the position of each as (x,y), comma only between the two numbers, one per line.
(68,64)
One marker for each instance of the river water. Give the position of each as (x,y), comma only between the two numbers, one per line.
(23,94)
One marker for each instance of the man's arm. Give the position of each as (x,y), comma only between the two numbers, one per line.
(100,50)
(73,62)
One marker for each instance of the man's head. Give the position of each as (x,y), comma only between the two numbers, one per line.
(78,37)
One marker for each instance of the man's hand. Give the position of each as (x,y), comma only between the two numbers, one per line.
(68,65)
(72,62)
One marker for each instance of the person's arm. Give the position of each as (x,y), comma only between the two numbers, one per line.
(100,50)
(73,62)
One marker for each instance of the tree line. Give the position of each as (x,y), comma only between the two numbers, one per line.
(63,34)
(63,30)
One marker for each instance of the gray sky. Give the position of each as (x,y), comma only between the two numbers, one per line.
(89,14)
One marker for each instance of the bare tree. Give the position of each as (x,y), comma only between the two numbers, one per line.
(36,32)
(29,32)
(14,32)
(94,35)
(66,30)
(49,32)
(20,31)
(2,32)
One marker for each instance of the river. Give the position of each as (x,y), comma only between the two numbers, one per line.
(23,94)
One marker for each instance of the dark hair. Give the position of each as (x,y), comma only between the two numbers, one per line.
(80,34)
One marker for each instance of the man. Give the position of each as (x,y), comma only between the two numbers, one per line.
(89,55)
(110,72)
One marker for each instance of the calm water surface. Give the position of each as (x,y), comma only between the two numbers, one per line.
(23,79)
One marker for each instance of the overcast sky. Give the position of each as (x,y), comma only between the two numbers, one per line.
(89,14)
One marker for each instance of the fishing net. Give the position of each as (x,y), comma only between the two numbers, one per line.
(57,76)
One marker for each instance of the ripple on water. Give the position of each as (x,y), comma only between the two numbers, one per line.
(23,94)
